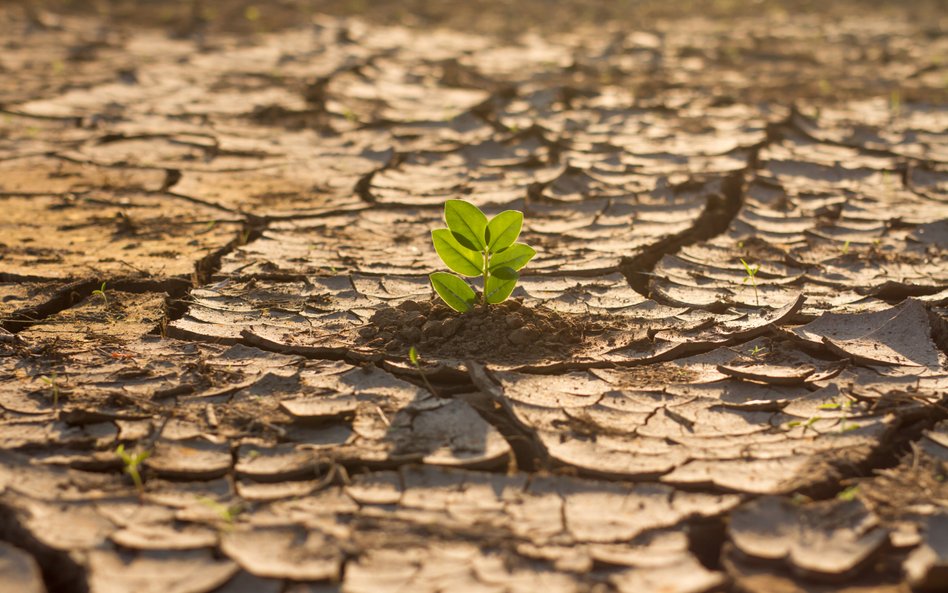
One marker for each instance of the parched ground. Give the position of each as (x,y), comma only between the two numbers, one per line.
(725,370)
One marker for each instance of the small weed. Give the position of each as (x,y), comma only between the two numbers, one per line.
(53,384)
(413,357)
(808,424)
(895,103)
(133,462)
(756,350)
(252,13)
(474,246)
(101,292)
(752,277)
(799,499)
(848,494)
(845,248)
(228,513)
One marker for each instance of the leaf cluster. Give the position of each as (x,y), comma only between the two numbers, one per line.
(474,246)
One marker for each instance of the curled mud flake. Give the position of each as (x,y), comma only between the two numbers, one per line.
(19,571)
(157,571)
(927,566)
(827,540)
(190,460)
(290,552)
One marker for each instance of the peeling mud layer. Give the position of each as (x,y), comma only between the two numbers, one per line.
(725,370)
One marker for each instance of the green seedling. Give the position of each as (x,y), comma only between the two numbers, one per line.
(133,463)
(101,292)
(848,494)
(752,277)
(252,13)
(756,350)
(474,246)
(227,513)
(53,387)
(413,357)
(845,248)
(895,103)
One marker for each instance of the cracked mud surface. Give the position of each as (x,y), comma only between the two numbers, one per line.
(255,186)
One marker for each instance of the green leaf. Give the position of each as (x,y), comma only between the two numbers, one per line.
(457,257)
(516,256)
(503,230)
(751,270)
(466,221)
(498,288)
(505,273)
(413,355)
(464,241)
(454,291)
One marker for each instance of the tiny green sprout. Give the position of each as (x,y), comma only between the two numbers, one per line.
(252,13)
(53,387)
(848,494)
(228,513)
(752,277)
(133,462)
(415,360)
(756,350)
(809,422)
(799,499)
(845,248)
(474,246)
(101,292)
(895,103)
(829,406)
(849,427)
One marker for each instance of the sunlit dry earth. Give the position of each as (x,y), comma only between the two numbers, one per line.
(725,370)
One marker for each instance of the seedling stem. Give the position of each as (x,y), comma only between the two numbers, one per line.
(133,462)
(752,276)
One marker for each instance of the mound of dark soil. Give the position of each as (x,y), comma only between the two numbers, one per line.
(510,331)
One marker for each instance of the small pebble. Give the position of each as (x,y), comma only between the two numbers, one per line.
(414,318)
(450,327)
(432,328)
(520,336)
(410,335)
(409,306)
(513,321)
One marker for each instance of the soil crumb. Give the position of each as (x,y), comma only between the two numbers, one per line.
(509,331)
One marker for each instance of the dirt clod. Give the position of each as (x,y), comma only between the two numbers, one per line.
(497,333)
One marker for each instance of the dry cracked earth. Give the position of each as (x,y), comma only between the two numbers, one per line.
(214,248)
